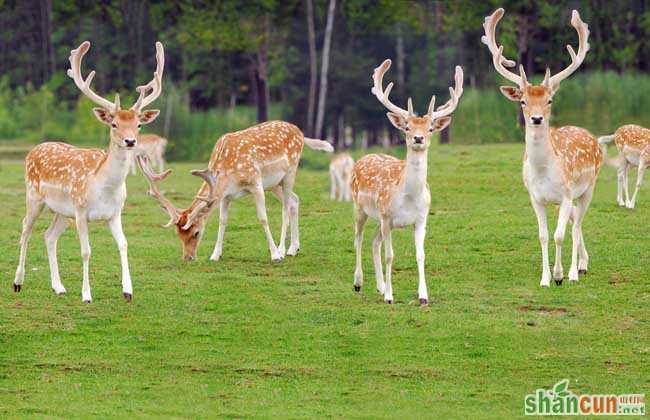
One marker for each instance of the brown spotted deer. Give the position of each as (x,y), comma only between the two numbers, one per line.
(259,158)
(86,184)
(153,146)
(340,177)
(633,144)
(395,192)
(560,165)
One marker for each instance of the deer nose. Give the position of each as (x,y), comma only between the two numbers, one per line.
(537,120)
(129,142)
(418,139)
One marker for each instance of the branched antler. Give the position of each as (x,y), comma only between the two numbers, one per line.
(74,72)
(153,179)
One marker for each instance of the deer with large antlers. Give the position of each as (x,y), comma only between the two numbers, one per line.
(250,161)
(560,164)
(86,184)
(395,192)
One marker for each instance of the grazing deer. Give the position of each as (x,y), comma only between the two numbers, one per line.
(86,184)
(395,192)
(259,158)
(560,165)
(340,177)
(633,144)
(154,147)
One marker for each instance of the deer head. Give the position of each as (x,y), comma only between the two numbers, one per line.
(535,100)
(417,130)
(124,123)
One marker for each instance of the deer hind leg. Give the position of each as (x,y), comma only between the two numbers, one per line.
(540,212)
(626,172)
(82,230)
(639,181)
(224,205)
(34,208)
(360,218)
(279,194)
(115,225)
(376,257)
(388,251)
(52,235)
(579,256)
(293,204)
(566,208)
(260,203)
(620,181)
(333,185)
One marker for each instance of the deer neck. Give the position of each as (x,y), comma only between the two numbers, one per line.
(539,151)
(415,172)
(115,169)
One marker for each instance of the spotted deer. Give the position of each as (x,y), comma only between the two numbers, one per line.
(633,144)
(560,165)
(86,184)
(153,146)
(259,158)
(340,177)
(395,192)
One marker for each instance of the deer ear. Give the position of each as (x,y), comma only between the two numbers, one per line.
(397,120)
(148,116)
(441,123)
(512,93)
(103,115)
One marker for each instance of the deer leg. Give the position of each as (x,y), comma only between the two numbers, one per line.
(115,225)
(639,181)
(294,212)
(620,180)
(360,218)
(52,235)
(260,204)
(626,173)
(566,208)
(376,257)
(82,230)
(540,212)
(224,205)
(279,194)
(419,234)
(333,185)
(579,249)
(34,208)
(388,251)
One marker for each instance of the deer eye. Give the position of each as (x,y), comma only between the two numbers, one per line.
(139,125)
(196,234)
(407,128)
(113,125)
(430,129)
(550,101)
(523,103)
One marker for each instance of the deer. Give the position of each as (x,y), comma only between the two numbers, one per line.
(340,176)
(633,144)
(560,165)
(86,185)
(395,192)
(153,146)
(251,161)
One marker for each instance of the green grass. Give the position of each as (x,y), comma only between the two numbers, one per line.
(245,337)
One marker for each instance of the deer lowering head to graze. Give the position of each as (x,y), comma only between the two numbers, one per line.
(341,176)
(633,144)
(395,192)
(86,184)
(560,164)
(259,158)
(153,146)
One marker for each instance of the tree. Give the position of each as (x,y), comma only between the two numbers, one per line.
(313,76)
(325,67)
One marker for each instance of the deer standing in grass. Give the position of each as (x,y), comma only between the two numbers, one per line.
(560,165)
(259,158)
(341,176)
(86,184)
(153,146)
(633,144)
(395,192)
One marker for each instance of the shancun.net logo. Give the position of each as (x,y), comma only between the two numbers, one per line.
(560,401)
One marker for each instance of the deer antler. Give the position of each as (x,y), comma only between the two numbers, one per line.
(153,179)
(206,202)
(576,59)
(452,103)
(155,85)
(74,72)
(499,61)
(382,95)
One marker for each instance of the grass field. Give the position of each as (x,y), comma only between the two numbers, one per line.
(245,337)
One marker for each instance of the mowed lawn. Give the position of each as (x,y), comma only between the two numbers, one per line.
(246,337)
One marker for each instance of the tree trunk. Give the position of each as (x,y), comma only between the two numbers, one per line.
(260,68)
(445,135)
(313,75)
(400,58)
(324,67)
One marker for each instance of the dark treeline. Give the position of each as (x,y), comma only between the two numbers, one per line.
(231,52)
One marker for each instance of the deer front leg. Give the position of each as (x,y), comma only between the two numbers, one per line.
(278,193)
(223,221)
(115,225)
(540,212)
(620,181)
(82,230)
(639,181)
(332,185)
(34,209)
(419,234)
(376,257)
(360,218)
(388,250)
(626,173)
(260,204)
(566,208)
(52,235)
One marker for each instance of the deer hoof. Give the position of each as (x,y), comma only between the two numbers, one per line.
(389,301)
(128,297)
(88,302)
(424,302)
(582,271)
(558,282)
(357,288)
(17,287)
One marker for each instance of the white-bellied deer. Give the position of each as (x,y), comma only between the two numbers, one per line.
(560,165)
(259,158)
(153,146)
(86,184)
(341,176)
(633,144)
(395,192)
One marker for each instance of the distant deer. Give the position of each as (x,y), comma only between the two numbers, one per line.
(633,144)
(340,177)
(395,192)
(86,184)
(259,158)
(560,164)
(154,147)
